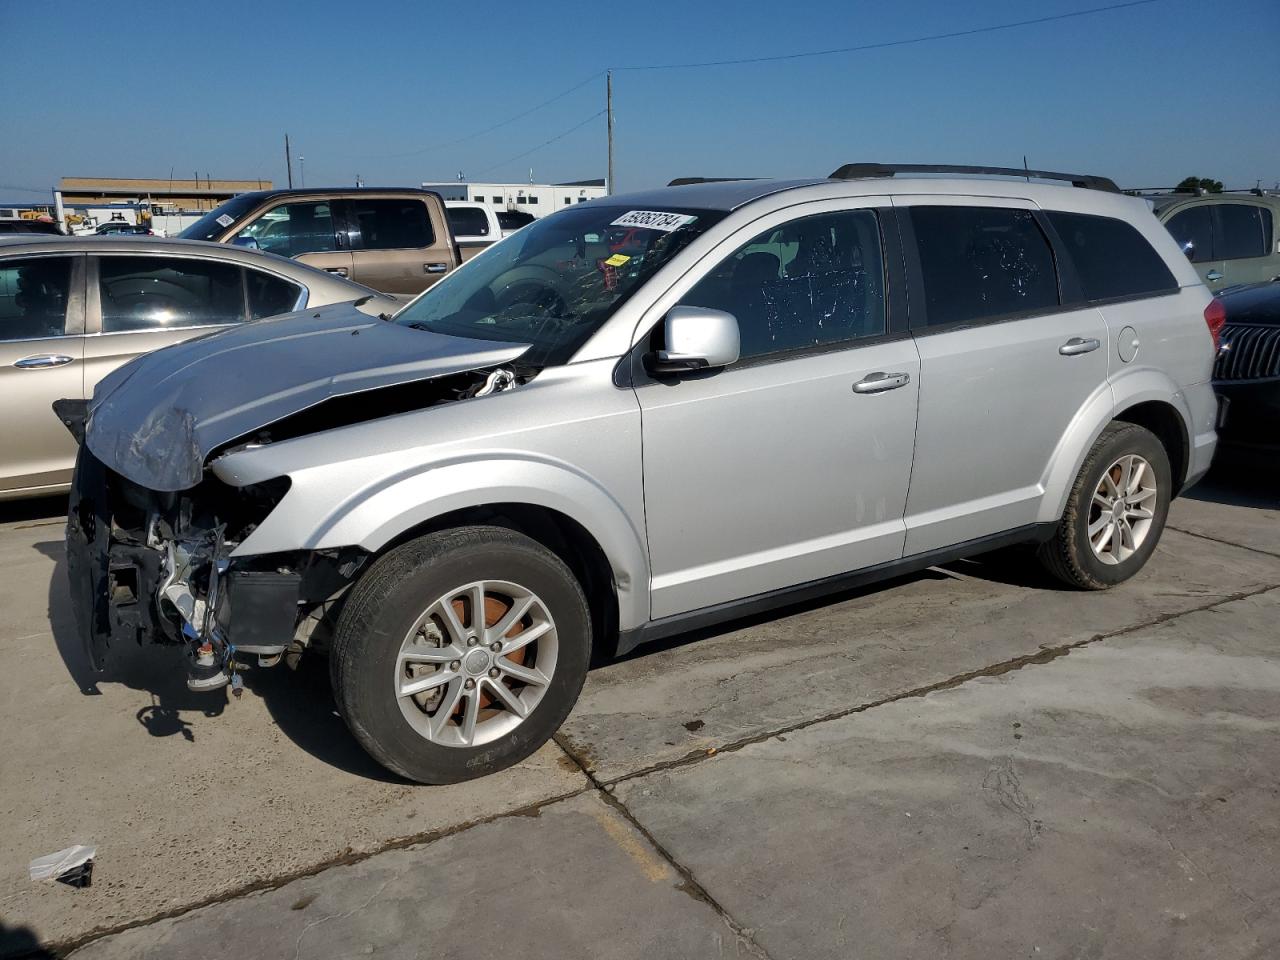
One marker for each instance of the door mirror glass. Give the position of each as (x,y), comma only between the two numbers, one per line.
(244,240)
(1189,248)
(696,338)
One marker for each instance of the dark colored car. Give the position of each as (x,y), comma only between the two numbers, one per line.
(42,227)
(1247,371)
(119,228)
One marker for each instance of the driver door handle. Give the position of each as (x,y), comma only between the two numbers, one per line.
(1078,345)
(880,382)
(42,361)
(340,271)
(1213,276)
(435,267)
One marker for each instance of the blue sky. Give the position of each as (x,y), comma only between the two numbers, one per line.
(1147,94)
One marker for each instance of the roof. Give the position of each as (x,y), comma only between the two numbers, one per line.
(729,195)
(580,183)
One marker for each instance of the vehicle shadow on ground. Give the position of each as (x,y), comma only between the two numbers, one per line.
(300,702)
(21,943)
(1240,483)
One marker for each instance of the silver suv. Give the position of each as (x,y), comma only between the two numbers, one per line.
(641,415)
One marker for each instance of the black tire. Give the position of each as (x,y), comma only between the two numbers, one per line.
(1068,555)
(382,608)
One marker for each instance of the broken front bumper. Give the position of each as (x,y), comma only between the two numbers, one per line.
(160,576)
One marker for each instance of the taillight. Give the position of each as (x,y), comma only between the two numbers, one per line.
(1215,317)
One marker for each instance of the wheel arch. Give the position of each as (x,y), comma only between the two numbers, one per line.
(556,531)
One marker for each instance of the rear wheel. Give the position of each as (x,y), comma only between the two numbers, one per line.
(460,653)
(1116,510)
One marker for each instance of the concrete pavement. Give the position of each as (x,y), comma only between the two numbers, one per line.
(967,763)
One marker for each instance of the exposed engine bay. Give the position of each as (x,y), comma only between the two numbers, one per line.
(158,565)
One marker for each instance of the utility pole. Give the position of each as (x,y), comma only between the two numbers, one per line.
(288,162)
(302,170)
(608,99)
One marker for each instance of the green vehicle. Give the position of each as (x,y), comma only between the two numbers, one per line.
(1229,236)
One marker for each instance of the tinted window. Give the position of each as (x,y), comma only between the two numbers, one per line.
(1111,257)
(813,281)
(293,229)
(158,293)
(33,297)
(1193,229)
(219,218)
(269,295)
(513,219)
(393,224)
(1244,231)
(497,199)
(468,222)
(983,262)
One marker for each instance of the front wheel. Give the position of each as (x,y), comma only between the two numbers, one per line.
(1115,512)
(460,653)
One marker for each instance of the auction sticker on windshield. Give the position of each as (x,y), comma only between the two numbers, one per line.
(653,220)
(226,221)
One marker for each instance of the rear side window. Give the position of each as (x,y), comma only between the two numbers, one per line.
(269,295)
(1112,259)
(161,293)
(393,224)
(983,263)
(1193,229)
(33,297)
(468,222)
(1244,231)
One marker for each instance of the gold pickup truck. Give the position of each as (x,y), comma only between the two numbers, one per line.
(394,240)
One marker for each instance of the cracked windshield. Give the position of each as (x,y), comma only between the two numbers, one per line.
(556,281)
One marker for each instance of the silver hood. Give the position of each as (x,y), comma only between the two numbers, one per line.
(156,419)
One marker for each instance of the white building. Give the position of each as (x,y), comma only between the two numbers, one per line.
(537,199)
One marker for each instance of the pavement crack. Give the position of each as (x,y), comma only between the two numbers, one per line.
(689,884)
(1042,656)
(312,924)
(1227,543)
(65,947)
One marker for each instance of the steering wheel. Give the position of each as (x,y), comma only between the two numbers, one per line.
(532,292)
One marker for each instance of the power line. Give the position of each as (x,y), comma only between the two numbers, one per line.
(497,126)
(559,136)
(893,43)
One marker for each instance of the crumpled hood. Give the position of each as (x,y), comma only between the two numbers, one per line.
(155,419)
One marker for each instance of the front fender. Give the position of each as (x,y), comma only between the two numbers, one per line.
(372,516)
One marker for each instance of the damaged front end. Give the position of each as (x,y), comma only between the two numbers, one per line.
(152,533)
(147,565)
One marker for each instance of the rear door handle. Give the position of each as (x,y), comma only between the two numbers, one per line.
(880,382)
(42,361)
(1213,276)
(1078,345)
(434,267)
(340,271)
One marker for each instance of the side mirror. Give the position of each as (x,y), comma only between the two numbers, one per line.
(697,338)
(242,240)
(1189,248)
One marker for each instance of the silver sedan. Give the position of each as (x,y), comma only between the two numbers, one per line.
(73,309)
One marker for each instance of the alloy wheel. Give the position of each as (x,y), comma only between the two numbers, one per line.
(1122,509)
(476,663)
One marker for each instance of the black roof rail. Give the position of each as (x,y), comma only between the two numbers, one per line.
(853,171)
(685,181)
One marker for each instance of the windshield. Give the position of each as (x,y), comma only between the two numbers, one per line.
(220,217)
(553,284)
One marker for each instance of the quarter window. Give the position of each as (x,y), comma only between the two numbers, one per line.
(1245,231)
(1193,229)
(1112,259)
(983,263)
(293,229)
(814,281)
(33,297)
(161,293)
(269,295)
(390,224)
